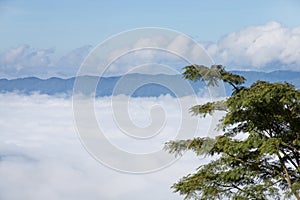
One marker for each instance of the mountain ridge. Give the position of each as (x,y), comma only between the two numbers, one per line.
(106,85)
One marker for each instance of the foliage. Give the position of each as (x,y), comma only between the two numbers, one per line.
(265,164)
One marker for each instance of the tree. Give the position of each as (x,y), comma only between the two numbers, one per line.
(265,163)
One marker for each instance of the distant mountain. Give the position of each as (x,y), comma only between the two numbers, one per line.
(292,77)
(151,85)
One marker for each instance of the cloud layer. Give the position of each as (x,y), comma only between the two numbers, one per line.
(271,46)
(18,60)
(25,61)
(41,156)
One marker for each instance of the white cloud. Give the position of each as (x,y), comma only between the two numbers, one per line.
(41,156)
(24,61)
(269,46)
(146,61)
(25,56)
(162,47)
(74,58)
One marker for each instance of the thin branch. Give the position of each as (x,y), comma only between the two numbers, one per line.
(287,176)
(289,158)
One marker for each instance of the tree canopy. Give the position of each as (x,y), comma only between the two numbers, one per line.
(265,163)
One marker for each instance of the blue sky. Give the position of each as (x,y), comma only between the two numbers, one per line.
(62,26)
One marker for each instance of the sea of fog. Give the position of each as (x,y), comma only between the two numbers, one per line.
(42,157)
